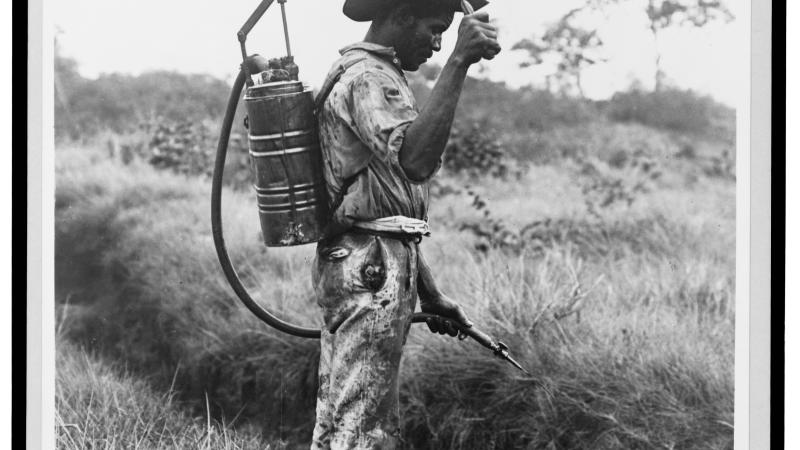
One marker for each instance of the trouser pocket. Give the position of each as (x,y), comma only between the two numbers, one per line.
(346,268)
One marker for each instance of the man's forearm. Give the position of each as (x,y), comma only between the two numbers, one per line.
(426,138)
(426,285)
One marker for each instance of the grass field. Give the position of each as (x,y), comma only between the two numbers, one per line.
(101,406)
(623,317)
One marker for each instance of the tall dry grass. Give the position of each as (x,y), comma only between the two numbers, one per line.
(625,322)
(101,406)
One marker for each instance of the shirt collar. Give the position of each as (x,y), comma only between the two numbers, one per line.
(386,53)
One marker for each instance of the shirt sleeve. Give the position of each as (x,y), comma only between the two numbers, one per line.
(381,112)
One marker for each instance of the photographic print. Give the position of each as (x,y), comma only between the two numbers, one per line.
(397,224)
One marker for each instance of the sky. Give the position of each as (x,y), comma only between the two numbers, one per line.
(199,36)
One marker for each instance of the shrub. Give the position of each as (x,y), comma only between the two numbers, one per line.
(520,109)
(722,165)
(475,151)
(183,147)
(491,232)
(510,111)
(673,109)
(612,143)
(620,182)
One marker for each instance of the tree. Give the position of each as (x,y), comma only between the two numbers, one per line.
(575,47)
(578,47)
(663,14)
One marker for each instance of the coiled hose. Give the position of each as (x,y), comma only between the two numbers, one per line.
(216,224)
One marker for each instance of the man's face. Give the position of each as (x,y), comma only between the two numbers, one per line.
(422,37)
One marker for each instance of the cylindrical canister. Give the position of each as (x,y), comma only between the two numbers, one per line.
(287,163)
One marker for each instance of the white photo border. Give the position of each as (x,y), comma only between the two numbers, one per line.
(753,265)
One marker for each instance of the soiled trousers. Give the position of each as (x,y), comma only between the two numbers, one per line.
(366,287)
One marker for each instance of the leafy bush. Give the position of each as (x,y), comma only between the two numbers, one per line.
(183,147)
(475,150)
(520,109)
(621,182)
(722,165)
(673,109)
(596,237)
(492,232)
(510,111)
(607,141)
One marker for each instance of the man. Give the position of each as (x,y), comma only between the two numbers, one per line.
(379,153)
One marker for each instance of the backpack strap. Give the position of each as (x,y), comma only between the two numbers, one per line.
(331,81)
(323,94)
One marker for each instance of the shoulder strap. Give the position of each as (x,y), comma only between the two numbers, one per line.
(326,89)
(331,81)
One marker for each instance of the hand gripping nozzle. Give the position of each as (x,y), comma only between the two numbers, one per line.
(498,348)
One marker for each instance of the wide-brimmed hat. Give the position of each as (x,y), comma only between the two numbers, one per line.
(368,10)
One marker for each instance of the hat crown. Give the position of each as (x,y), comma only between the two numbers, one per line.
(367,10)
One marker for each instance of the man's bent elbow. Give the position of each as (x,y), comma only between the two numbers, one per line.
(416,166)
(416,172)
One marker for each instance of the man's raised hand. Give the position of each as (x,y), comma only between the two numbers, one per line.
(477,39)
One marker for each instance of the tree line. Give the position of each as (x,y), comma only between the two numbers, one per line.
(575,47)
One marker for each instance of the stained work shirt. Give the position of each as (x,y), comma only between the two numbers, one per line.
(362,126)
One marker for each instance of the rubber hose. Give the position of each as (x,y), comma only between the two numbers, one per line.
(216,225)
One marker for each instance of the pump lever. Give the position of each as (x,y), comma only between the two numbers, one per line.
(285,28)
(253,19)
(248,26)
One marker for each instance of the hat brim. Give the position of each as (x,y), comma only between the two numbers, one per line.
(368,10)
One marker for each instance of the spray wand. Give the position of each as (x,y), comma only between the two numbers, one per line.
(498,348)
